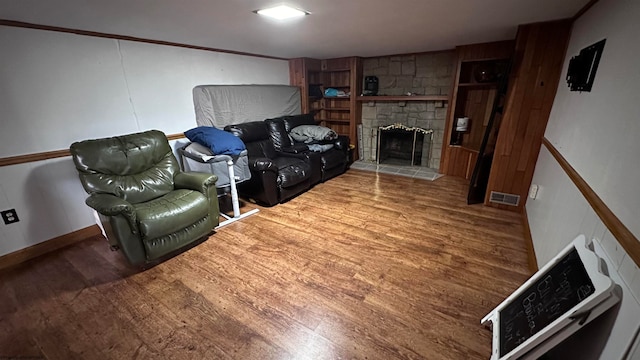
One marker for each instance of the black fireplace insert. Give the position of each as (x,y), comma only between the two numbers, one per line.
(402,145)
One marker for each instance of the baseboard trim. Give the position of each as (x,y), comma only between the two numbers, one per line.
(31,252)
(532,261)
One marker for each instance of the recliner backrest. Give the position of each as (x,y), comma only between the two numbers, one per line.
(136,167)
(278,133)
(292,121)
(255,136)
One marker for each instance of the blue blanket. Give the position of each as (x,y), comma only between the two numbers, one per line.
(220,142)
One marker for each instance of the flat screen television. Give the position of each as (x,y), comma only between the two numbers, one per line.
(583,67)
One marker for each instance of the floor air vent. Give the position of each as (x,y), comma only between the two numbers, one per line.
(502,198)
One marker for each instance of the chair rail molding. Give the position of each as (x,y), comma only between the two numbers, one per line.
(625,237)
(34,157)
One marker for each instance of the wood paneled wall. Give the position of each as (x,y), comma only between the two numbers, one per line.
(457,161)
(299,76)
(538,58)
(461,161)
(355,108)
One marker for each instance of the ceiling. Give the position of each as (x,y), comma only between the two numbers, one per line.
(335,28)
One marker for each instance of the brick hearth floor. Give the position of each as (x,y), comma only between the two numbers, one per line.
(418,172)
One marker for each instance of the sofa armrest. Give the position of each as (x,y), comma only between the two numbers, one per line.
(301,155)
(296,148)
(111,205)
(203,183)
(195,181)
(342,143)
(262,164)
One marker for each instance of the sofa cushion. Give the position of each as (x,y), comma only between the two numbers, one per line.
(167,214)
(260,149)
(320,148)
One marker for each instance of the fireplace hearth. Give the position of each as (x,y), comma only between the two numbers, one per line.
(403,145)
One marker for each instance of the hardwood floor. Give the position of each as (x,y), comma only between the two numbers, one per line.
(364,266)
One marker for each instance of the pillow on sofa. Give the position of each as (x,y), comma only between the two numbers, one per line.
(220,142)
(312,134)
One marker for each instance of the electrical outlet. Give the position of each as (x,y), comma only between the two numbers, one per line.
(9,216)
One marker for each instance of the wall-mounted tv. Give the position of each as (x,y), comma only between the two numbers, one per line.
(582,67)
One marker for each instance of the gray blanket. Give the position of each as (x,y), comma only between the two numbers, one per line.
(309,134)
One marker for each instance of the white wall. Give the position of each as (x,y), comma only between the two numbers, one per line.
(57,88)
(596,132)
(558,214)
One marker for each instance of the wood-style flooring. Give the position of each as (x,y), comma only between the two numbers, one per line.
(364,266)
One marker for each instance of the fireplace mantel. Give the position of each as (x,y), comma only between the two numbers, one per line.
(404,98)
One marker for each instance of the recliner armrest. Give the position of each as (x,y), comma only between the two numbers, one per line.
(342,143)
(111,205)
(194,181)
(203,183)
(301,155)
(296,148)
(263,164)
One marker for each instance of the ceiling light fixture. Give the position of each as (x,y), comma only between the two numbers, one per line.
(281,12)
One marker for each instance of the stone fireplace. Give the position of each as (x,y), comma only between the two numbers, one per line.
(426,115)
(419,74)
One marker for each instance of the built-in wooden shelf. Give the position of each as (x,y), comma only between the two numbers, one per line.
(464,147)
(341,121)
(404,98)
(314,76)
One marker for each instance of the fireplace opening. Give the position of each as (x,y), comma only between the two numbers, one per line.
(402,145)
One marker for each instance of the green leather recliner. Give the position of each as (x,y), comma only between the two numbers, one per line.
(148,207)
